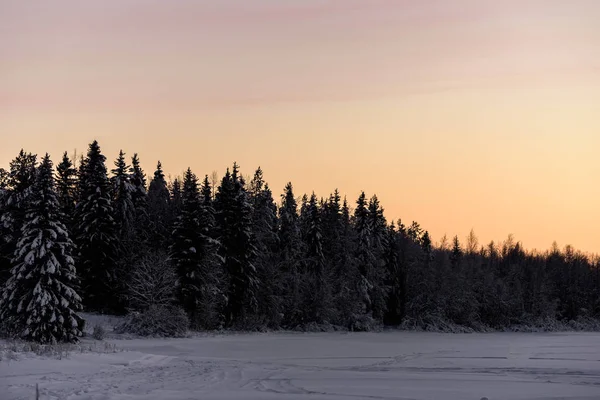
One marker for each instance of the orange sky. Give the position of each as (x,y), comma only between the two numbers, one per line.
(459,114)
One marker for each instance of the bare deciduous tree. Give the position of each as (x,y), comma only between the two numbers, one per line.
(152,282)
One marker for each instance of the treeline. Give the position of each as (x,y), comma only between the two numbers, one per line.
(230,256)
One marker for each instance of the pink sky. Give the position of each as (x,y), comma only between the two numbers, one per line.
(459,114)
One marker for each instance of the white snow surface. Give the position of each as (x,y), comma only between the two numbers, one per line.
(290,366)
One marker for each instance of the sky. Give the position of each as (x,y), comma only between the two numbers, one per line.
(458,114)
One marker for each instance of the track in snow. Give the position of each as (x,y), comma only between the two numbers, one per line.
(384,366)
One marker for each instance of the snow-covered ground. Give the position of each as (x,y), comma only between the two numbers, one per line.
(289,366)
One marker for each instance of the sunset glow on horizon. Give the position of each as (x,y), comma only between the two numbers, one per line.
(459,114)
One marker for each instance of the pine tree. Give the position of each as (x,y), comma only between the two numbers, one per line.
(96,235)
(39,300)
(66,188)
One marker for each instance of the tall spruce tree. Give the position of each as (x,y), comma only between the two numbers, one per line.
(206,191)
(159,211)
(96,235)
(264,218)
(66,188)
(332,229)
(290,256)
(316,290)
(289,232)
(196,259)
(137,179)
(457,252)
(234,216)
(379,289)
(314,239)
(264,228)
(176,197)
(122,198)
(139,198)
(39,301)
(377,224)
(395,277)
(365,256)
(16,199)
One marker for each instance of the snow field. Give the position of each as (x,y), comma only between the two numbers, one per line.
(388,366)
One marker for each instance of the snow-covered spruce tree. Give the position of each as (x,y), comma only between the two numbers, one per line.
(20,180)
(289,232)
(139,198)
(302,219)
(39,300)
(332,230)
(80,172)
(206,192)
(395,277)
(158,208)
(349,306)
(264,227)
(96,236)
(457,253)
(370,283)
(377,224)
(175,204)
(363,254)
(66,188)
(290,253)
(129,248)
(194,254)
(316,282)
(137,180)
(122,198)
(4,260)
(377,278)
(234,217)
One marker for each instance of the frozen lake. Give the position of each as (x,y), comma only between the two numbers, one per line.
(289,366)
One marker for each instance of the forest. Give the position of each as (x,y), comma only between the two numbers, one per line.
(229,254)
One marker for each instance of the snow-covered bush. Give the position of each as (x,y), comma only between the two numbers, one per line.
(364,323)
(99,332)
(158,321)
(14,349)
